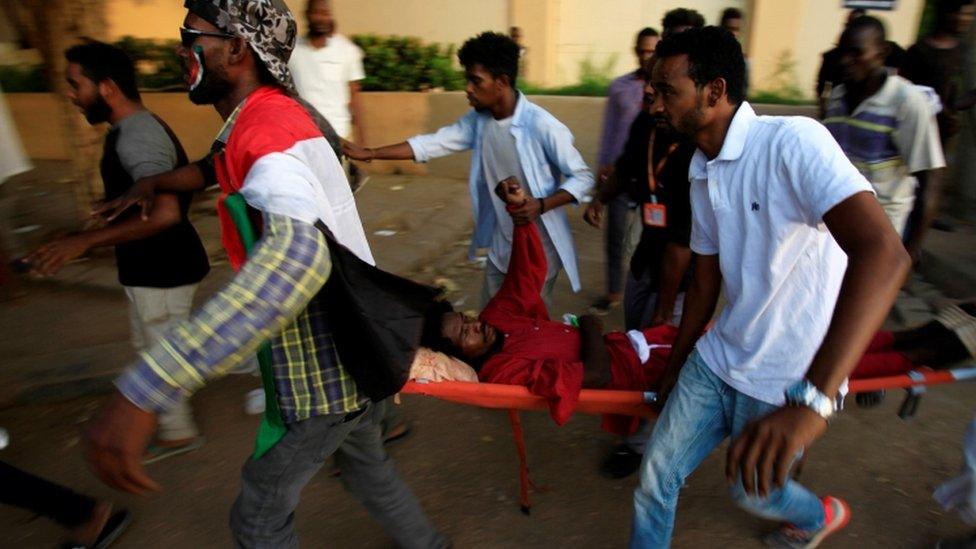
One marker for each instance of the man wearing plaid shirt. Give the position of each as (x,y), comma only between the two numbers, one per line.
(272,153)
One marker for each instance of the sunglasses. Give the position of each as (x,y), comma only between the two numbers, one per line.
(188,35)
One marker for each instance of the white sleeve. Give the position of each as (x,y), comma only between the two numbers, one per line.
(819,172)
(917,134)
(450,139)
(356,71)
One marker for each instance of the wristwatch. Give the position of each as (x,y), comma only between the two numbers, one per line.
(806,394)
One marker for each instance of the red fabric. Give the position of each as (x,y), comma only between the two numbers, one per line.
(269,122)
(545,356)
(882,341)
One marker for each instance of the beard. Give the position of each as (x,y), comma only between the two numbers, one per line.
(690,122)
(98,112)
(208,85)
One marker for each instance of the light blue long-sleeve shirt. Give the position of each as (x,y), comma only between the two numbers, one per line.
(549,160)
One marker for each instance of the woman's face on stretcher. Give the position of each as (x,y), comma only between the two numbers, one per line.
(472,336)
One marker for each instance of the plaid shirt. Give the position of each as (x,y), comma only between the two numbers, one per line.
(268,299)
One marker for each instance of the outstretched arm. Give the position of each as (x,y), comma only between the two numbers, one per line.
(189,178)
(521,292)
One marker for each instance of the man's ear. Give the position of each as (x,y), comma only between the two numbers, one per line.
(237,50)
(503,80)
(715,90)
(108,89)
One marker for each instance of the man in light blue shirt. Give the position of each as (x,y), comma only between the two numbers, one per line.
(510,137)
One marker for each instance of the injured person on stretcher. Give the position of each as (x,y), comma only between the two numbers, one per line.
(514,342)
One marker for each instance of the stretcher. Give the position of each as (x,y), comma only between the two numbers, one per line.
(514,399)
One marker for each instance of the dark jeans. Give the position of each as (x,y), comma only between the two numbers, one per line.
(618,210)
(264,513)
(62,505)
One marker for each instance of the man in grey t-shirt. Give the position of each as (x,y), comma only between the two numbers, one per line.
(160,257)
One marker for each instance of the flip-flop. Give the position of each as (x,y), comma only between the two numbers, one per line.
(114,527)
(158,453)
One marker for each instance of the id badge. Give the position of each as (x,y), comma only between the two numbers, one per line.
(655,215)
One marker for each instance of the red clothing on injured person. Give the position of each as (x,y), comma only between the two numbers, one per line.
(545,356)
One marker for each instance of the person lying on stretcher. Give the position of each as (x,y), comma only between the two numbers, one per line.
(514,342)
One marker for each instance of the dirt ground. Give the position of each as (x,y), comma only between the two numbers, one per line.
(460,460)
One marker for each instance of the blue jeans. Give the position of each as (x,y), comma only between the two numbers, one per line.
(700,413)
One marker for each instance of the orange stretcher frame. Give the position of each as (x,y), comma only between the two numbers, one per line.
(514,398)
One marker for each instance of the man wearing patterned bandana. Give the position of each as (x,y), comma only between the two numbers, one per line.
(273,155)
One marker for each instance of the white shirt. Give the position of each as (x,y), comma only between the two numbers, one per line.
(13,160)
(500,159)
(759,205)
(547,156)
(322,77)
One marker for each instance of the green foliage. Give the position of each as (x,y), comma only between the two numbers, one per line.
(394,63)
(594,81)
(158,67)
(589,89)
(23,79)
(783,87)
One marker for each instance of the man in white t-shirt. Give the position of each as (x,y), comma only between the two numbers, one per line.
(13,161)
(327,68)
(810,266)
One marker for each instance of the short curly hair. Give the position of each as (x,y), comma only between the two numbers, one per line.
(713,52)
(682,17)
(497,53)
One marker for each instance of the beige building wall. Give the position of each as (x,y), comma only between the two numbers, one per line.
(561,34)
(444,21)
(807,28)
(603,32)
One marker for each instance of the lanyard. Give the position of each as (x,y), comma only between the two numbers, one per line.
(652,175)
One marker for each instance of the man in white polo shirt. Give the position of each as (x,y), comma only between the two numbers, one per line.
(810,267)
(327,68)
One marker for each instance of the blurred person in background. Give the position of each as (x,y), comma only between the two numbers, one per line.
(13,161)
(680,20)
(829,74)
(327,68)
(937,61)
(160,259)
(731,20)
(884,124)
(272,154)
(510,137)
(623,103)
(658,272)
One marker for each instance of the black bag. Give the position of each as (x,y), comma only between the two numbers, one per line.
(376,318)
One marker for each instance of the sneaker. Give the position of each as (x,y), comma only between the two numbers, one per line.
(621,463)
(602,306)
(837,514)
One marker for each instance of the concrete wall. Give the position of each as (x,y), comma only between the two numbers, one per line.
(390,117)
(605,37)
(805,29)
